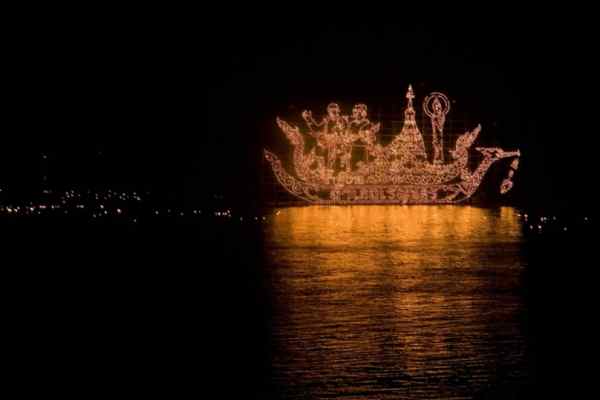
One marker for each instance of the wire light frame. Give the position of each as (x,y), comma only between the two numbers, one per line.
(332,171)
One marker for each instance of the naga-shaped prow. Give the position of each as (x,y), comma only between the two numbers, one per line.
(471,181)
(464,142)
(302,161)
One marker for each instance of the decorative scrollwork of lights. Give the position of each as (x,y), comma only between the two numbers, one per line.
(398,172)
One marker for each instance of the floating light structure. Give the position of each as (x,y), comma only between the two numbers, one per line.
(398,172)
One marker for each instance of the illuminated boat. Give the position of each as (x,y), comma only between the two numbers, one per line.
(396,173)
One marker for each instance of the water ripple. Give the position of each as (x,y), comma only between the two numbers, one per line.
(396,302)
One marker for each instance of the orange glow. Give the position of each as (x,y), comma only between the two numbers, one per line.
(398,172)
(333,226)
(436,106)
(324,257)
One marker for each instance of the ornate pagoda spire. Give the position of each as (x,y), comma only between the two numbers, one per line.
(408,145)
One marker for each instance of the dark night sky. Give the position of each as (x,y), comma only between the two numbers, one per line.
(180,97)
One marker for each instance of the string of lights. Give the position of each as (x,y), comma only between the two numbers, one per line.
(399,172)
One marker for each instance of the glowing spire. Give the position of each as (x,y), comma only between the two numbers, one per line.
(408,146)
(409,113)
(410,96)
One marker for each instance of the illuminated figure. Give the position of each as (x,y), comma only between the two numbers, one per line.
(357,127)
(362,127)
(398,172)
(437,113)
(359,121)
(328,132)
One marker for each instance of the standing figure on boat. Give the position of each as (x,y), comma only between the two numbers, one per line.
(360,125)
(328,132)
(356,126)
(363,129)
(359,121)
(437,114)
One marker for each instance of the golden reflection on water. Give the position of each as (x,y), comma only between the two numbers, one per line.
(332,226)
(385,299)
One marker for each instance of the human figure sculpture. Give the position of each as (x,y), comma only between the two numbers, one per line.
(328,132)
(437,114)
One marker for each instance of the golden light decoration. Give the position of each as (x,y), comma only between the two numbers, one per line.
(398,172)
(436,106)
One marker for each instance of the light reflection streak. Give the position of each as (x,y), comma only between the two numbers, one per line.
(386,298)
